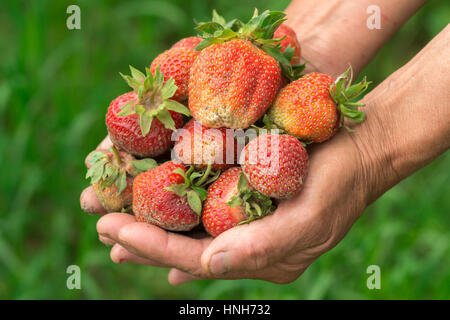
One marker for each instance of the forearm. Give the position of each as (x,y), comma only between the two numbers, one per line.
(408,118)
(334,33)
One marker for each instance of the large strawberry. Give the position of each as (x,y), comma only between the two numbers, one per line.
(141,122)
(231,201)
(290,40)
(313,107)
(199,146)
(236,77)
(170,196)
(176,63)
(275,165)
(112,173)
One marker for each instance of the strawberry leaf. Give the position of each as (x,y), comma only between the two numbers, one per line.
(169,89)
(121,182)
(177,107)
(145,122)
(136,74)
(127,109)
(201,192)
(144,164)
(194,201)
(178,189)
(166,119)
(343,91)
(235,201)
(96,171)
(95,156)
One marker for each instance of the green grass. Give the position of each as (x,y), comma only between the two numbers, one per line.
(55,87)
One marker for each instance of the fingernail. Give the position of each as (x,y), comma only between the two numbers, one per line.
(218,263)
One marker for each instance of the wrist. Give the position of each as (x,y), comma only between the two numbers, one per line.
(334,33)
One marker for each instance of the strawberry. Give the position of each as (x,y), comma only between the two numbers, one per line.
(289,40)
(199,146)
(313,107)
(176,63)
(141,122)
(170,196)
(231,201)
(112,173)
(275,165)
(236,77)
(189,43)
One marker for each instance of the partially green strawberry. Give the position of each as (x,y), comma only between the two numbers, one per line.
(236,77)
(141,122)
(231,201)
(313,107)
(199,146)
(111,173)
(275,165)
(170,196)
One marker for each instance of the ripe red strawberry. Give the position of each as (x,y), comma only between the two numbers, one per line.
(231,201)
(199,146)
(232,84)
(176,63)
(275,165)
(141,122)
(290,40)
(170,196)
(236,77)
(313,107)
(189,43)
(112,173)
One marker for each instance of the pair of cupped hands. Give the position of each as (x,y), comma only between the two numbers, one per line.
(345,175)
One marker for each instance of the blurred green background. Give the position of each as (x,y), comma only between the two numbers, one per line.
(55,86)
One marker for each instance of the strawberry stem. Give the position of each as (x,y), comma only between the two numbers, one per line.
(116,155)
(343,91)
(205,175)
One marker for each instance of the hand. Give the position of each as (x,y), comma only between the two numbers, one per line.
(346,174)
(277,248)
(334,33)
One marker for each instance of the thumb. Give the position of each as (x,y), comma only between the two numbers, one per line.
(248,247)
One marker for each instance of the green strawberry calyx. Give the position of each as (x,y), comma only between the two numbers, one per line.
(343,92)
(256,204)
(110,167)
(153,99)
(194,186)
(259,30)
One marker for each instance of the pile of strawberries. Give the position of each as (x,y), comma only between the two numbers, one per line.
(243,150)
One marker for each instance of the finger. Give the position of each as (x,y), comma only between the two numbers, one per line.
(177,277)
(121,255)
(175,250)
(249,247)
(272,274)
(89,202)
(104,145)
(106,241)
(110,224)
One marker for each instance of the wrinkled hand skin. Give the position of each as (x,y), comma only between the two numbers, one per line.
(277,248)
(406,128)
